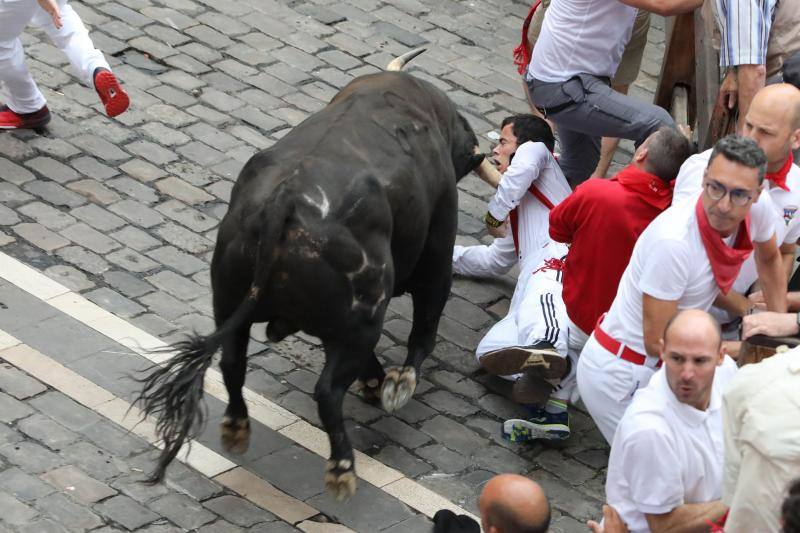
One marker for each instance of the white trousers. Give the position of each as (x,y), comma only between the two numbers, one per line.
(607,383)
(539,315)
(72,38)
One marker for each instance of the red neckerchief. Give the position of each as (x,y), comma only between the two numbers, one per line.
(779,177)
(726,261)
(523,52)
(650,187)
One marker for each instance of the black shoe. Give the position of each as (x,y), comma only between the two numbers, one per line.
(540,359)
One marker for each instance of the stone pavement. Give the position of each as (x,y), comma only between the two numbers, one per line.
(124,211)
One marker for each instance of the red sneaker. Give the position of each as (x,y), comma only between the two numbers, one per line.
(23,121)
(111,93)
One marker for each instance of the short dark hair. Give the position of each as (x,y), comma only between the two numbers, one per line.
(666,153)
(508,521)
(743,151)
(529,127)
(790,510)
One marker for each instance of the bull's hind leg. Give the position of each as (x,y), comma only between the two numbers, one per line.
(235,426)
(344,362)
(370,381)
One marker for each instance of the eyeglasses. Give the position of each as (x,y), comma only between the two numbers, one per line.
(717,191)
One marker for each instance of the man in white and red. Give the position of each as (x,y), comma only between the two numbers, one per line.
(773,122)
(666,464)
(601,221)
(683,260)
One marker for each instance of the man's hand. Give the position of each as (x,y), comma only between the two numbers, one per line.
(498,232)
(770,324)
(758,301)
(729,91)
(612,522)
(51,8)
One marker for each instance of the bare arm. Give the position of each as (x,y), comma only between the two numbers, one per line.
(750,79)
(771,274)
(734,302)
(665,7)
(787,257)
(686,518)
(655,314)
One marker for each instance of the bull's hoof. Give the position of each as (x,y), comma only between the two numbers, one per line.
(370,390)
(235,434)
(340,479)
(398,387)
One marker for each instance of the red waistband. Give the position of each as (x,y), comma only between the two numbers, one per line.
(613,346)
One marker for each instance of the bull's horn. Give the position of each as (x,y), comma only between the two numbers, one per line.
(399,62)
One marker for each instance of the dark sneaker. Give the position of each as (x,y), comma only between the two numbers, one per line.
(23,121)
(531,389)
(540,359)
(540,425)
(114,98)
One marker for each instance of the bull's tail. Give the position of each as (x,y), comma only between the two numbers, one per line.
(399,62)
(173,393)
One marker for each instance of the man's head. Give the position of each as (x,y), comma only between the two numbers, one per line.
(513,504)
(691,350)
(663,153)
(732,182)
(773,121)
(517,130)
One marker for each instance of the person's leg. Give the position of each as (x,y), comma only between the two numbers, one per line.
(606,384)
(485,261)
(73,39)
(23,95)
(587,107)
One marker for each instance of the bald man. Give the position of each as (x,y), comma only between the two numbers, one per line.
(665,467)
(509,503)
(773,121)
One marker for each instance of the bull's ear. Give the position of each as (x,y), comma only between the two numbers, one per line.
(475,161)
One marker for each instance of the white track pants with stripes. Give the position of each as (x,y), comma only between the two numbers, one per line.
(538,315)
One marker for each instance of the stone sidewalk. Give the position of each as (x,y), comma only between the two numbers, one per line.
(124,210)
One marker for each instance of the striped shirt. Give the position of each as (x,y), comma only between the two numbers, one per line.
(744,26)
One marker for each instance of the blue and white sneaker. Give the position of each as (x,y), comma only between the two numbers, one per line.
(540,425)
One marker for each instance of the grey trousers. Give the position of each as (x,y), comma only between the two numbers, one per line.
(586,108)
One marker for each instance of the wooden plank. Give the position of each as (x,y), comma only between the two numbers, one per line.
(706,74)
(678,67)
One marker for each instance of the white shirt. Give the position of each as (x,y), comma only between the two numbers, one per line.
(581,37)
(532,163)
(666,453)
(762,441)
(783,205)
(669,262)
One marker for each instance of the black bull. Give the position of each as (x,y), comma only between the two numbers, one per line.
(355,205)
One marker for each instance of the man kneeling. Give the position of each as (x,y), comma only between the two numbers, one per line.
(665,468)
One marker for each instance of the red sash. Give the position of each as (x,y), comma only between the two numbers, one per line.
(649,187)
(779,177)
(514,217)
(726,261)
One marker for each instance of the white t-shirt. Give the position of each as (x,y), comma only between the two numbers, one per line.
(581,37)
(666,453)
(669,262)
(532,163)
(782,204)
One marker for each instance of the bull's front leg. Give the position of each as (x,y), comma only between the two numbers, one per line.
(343,364)
(429,291)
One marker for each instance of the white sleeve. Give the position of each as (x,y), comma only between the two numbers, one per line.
(762,219)
(690,178)
(665,273)
(652,470)
(529,160)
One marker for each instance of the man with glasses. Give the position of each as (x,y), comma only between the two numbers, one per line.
(683,260)
(773,122)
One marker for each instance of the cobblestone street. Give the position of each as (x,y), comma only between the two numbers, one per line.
(123,213)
